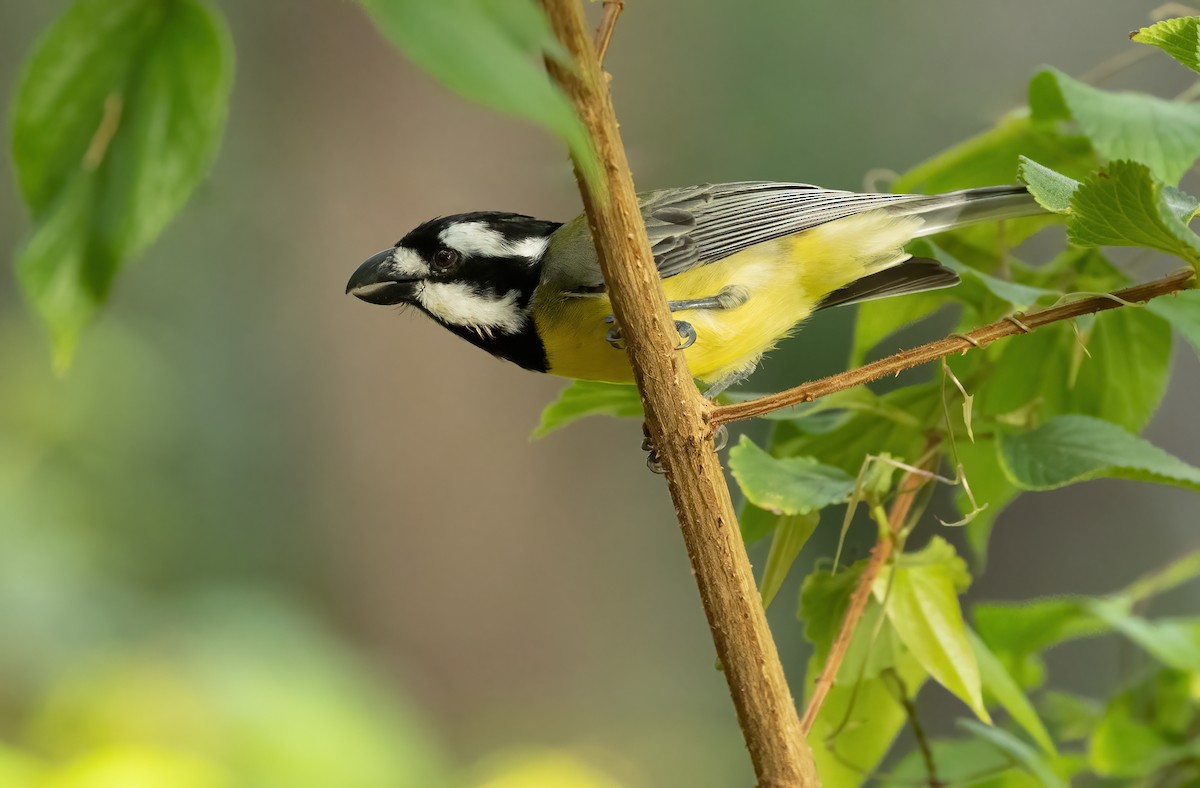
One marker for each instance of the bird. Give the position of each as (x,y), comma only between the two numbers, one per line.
(742,265)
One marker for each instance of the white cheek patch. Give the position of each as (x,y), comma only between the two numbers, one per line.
(408,264)
(476,238)
(460,304)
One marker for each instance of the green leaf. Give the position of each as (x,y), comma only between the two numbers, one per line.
(1072,448)
(1179,38)
(1051,189)
(824,599)
(791,534)
(1019,295)
(1029,758)
(1051,370)
(487,51)
(1164,135)
(960,762)
(1174,642)
(998,684)
(1182,311)
(920,595)
(117,118)
(793,485)
(1126,206)
(859,721)
(582,398)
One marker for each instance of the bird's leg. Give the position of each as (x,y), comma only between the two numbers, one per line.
(729,298)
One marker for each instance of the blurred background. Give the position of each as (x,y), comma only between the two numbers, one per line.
(264,534)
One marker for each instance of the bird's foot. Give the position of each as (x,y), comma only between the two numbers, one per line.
(654,462)
(613,336)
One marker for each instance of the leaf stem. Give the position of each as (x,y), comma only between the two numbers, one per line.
(955,343)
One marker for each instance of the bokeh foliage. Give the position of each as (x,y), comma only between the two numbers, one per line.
(118,117)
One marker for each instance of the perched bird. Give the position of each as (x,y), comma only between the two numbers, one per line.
(742,265)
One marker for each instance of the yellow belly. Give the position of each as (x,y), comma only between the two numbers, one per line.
(785,279)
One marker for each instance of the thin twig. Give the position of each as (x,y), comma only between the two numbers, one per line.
(612,10)
(910,484)
(918,730)
(957,343)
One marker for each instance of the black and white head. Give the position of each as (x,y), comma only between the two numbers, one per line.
(474,273)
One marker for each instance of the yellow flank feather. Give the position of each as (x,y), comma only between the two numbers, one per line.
(785,279)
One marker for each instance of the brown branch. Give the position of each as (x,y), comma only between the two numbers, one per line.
(956,343)
(910,485)
(682,436)
(612,10)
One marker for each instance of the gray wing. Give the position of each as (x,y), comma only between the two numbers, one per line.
(703,224)
(709,223)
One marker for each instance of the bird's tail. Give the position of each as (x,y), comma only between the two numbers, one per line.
(899,273)
(954,209)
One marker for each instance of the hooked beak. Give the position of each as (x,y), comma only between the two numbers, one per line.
(376,282)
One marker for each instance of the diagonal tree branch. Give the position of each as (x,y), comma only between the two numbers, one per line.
(956,343)
(682,435)
(910,486)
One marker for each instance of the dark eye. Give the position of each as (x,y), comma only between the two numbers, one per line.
(445,258)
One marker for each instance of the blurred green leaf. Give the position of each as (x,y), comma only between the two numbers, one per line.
(1125,206)
(1071,717)
(133,766)
(582,398)
(1073,448)
(1134,740)
(1181,310)
(247,685)
(961,762)
(998,684)
(791,534)
(1034,626)
(487,51)
(793,485)
(1174,642)
(21,770)
(543,769)
(1163,135)
(117,118)
(920,594)
(1029,758)
(1179,38)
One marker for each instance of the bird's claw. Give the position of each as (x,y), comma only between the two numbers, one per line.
(720,441)
(687,332)
(614,338)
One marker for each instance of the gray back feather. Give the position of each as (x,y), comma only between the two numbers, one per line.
(703,224)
